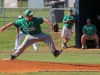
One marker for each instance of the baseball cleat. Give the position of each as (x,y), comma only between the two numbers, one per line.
(14,49)
(36,49)
(83,47)
(97,47)
(12,57)
(64,46)
(56,53)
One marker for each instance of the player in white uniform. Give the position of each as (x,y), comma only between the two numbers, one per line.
(20,36)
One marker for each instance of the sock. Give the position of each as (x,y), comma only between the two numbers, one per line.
(64,43)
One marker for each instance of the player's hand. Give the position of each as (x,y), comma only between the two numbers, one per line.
(2,29)
(16,36)
(72,32)
(52,26)
(68,21)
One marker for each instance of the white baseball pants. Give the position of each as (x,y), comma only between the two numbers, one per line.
(66,33)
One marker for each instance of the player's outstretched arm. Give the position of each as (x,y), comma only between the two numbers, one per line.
(6,26)
(48,22)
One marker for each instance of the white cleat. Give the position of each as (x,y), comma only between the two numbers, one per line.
(97,47)
(64,46)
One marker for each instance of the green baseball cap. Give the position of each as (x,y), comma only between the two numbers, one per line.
(28,13)
(70,9)
(88,19)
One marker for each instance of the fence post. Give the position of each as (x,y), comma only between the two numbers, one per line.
(3,16)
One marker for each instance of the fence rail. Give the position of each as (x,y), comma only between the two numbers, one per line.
(10,14)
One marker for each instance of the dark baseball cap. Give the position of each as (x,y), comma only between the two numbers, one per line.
(28,13)
(88,19)
(70,9)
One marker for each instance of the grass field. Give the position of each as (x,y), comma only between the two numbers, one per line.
(55,73)
(7,40)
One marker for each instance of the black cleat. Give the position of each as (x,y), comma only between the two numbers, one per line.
(57,52)
(12,57)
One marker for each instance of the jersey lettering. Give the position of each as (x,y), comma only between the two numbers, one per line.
(30,29)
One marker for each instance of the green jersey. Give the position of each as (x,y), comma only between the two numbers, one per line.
(68,17)
(89,29)
(31,27)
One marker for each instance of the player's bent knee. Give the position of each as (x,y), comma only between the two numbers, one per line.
(67,38)
(96,36)
(83,36)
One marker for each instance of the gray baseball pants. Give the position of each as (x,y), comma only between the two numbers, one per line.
(30,39)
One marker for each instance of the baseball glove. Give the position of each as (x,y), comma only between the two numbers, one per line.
(72,20)
(56,28)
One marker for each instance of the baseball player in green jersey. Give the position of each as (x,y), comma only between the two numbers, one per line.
(89,32)
(31,27)
(68,21)
(20,35)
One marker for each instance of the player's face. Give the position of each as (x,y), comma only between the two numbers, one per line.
(29,17)
(88,22)
(70,12)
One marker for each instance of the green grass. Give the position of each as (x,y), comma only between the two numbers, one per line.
(78,57)
(56,73)
(7,40)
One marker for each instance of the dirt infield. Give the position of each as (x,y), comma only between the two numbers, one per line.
(22,66)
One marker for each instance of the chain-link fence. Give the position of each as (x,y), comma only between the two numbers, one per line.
(10,14)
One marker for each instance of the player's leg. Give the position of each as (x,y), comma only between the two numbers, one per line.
(69,35)
(36,38)
(96,40)
(29,40)
(64,35)
(35,46)
(49,41)
(83,39)
(18,38)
